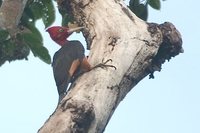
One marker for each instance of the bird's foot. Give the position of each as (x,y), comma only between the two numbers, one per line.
(104,65)
(101,65)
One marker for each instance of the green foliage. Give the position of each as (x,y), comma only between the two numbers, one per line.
(11,50)
(35,10)
(48,17)
(36,46)
(42,9)
(140,8)
(155,4)
(3,35)
(29,38)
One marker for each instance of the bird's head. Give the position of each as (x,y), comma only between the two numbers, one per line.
(60,34)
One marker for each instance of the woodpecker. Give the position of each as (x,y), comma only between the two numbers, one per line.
(68,58)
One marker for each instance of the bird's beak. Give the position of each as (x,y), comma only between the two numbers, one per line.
(71,30)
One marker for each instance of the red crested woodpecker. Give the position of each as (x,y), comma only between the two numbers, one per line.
(68,58)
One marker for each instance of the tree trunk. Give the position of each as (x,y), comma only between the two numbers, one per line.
(136,50)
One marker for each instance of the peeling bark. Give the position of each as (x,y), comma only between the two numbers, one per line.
(112,32)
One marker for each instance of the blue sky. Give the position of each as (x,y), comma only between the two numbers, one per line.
(170,103)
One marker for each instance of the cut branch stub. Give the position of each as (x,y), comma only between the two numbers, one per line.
(170,46)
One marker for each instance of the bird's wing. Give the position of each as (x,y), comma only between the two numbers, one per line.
(65,62)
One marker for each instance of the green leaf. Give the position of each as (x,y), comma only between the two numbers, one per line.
(132,3)
(29,13)
(27,17)
(36,8)
(43,9)
(34,30)
(37,47)
(155,4)
(6,51)
(142,12)
(48,16)
(11,50)
(139,9)
(8,48)
(42,53)
(3,35)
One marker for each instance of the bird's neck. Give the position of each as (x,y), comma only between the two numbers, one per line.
(61,42)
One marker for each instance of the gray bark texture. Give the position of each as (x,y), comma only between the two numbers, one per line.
(136,48)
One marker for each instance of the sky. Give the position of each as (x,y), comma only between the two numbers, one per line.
(170,103)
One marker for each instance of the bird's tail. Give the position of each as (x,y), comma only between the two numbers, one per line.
(62,90)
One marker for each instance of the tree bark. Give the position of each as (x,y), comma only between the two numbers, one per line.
(136,49)
(10,15)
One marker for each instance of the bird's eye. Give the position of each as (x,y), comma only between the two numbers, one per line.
(61,30)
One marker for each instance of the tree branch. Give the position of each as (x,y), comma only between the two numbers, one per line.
(132,44)
(10,14)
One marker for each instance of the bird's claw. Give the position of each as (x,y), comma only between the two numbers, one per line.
(103,65)
(107,61)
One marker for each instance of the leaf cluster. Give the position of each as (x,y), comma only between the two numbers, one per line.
(29,38)
(140,7)
(11,48)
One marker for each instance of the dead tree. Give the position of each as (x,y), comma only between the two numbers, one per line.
(136,48)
